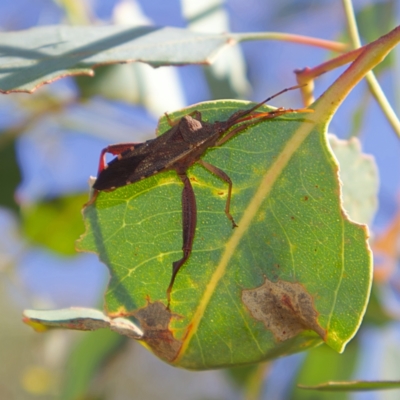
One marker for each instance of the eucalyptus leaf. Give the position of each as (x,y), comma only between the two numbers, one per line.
(294,273)
(79,318)
(354,386)
(40,55)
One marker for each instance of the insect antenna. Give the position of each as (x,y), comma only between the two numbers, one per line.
(238,117)
(243,116)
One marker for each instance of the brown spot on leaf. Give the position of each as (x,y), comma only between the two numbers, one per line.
(285,308)
(305,198)
(154,320)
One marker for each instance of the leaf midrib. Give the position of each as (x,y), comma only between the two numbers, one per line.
(255,203)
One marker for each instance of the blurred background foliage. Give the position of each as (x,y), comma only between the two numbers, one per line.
(49,145)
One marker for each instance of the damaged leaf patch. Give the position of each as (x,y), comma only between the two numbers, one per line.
(154,320)
(285,308)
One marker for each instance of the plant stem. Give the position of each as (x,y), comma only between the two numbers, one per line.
(287,37)
(373,84)
(371,55)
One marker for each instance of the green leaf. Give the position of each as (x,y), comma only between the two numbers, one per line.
(55,223)
(41,55)
(294,272)
(354,386)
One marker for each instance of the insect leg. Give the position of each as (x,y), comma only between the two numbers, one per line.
(189,220)
(221,174)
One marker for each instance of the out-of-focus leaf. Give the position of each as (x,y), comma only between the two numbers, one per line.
(87,359)
(250,378)
(370,17)
(41,55)
(370,26)
(79,318)
(226,77)
(359,114)
(376,313)
(293,272)
(10,174)
(354,386)
(242,375)
(55,223)
(135,83)
(108,82)
(322,364)
(17,345)
(359,176)
(73,318)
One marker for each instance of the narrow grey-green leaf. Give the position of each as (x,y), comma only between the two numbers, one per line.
(41,55)
(354,386)
(79,318)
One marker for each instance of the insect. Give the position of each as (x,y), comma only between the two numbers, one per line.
(177,149)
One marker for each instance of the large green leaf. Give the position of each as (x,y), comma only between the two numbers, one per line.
(295,272)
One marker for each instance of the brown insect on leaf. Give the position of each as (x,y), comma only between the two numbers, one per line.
(178,149)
